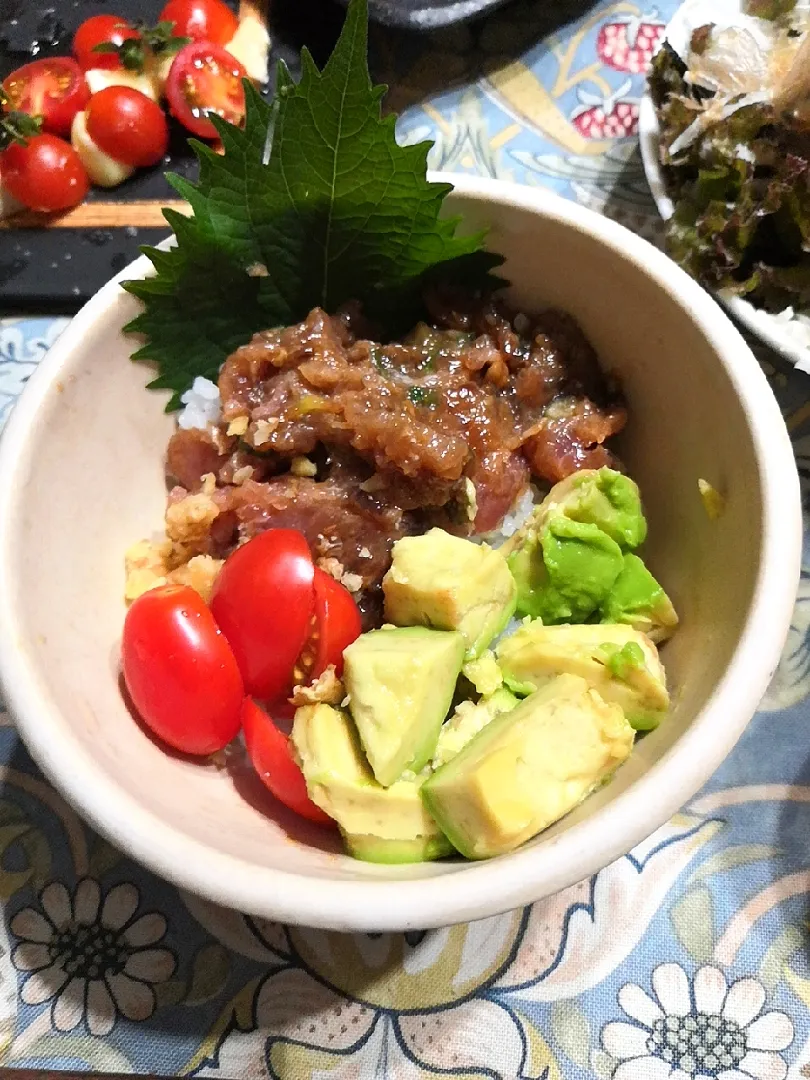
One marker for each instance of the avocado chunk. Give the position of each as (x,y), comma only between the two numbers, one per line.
(400,683)
(421,849)
(564,572)
(468,719)
(616,660)
(378,824)
(638,600)
(527,768)
(483,673)
(449,583)
(602,497)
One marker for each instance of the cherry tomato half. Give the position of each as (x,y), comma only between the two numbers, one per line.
(204,78)
(201,20)
(127,125)
(52,88)
(180,671)
(272,759)
(335,625)
(101,30)
(46,174)
(262,601)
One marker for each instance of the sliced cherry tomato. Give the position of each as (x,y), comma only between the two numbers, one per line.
(101,30)
(201,20)
(263,601)
(204,78)
(127,125)
(272,759)
(180,671)
(54,89)
(44,174)
(335,625)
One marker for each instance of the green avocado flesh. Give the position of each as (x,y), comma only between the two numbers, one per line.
(421,849)
(615,660)
(449,583)
(378,824)
(637,599)
(527,768)
(400,683)
(563,574)
(601,497)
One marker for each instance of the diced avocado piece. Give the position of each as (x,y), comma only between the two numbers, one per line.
(527,768)
(449,583)
(564,573)
(616,660)
(468,719)
(638,600)
(379,824)
(374,849)
(400,683)
(483,673)
(602,497)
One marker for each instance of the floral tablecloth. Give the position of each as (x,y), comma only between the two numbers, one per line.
(687,958)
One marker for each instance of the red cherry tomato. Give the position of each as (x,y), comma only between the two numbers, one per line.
(263,600)
(201,20)
(204,78)
(53,89)
(127,125)
(335,625)
(180,671)
(272,759)
(45,174)
(101,30)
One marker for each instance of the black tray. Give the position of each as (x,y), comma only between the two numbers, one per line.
(427,14)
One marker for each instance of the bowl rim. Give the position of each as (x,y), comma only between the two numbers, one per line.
(526,875)
(767,327)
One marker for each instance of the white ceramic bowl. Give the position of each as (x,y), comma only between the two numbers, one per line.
(788,336)
(81,477)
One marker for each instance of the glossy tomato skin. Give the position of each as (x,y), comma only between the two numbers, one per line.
(54,89)
(335,625)
(205,78)
(263,601)
(180,671)
(128,126)
(46,174)
(272,758)
(201,20)
(101,30)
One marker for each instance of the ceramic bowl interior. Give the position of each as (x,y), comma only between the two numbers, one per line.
(82,478)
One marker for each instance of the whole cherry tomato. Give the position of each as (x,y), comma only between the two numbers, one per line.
(180,671)
(263,601)
(44,174)
(201,20)
(272,759)
(127,125)
(205,79)
(101,30)
(52,88)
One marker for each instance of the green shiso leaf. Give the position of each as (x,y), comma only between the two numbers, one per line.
(312,203)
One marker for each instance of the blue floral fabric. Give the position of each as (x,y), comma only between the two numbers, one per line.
(686,959)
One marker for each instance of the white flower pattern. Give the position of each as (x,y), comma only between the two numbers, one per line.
(702,1031)
(89,956)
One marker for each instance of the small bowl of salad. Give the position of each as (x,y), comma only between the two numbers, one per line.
(724,138)
(419,583)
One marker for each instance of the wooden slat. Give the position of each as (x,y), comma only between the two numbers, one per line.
(144,214)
